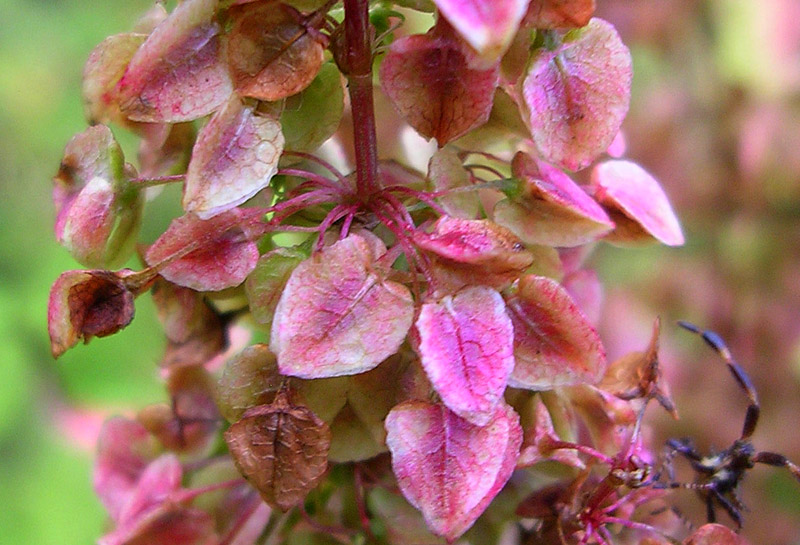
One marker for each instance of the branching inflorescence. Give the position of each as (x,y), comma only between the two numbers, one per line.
(423,338)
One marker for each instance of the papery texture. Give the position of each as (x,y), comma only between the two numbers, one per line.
(270,53)
(235,156)
(487,25)
(554,344)
(98,211)
(473,252)
(577,95)
(178,74)
(265,284)
(448,468)
(466,348)
(550,208)
(205,255)
(431,84)
(559,13)
(86,304)
(639,206)
(282,449)
(338,315)
(446,171)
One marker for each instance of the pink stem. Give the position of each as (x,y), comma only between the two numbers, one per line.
(464,154)
(311,176)
(398,207)
(589,451)
(413,257)
(298,203)
(348,221)
(314,159)
(424,197)
(631,524)
(339,211)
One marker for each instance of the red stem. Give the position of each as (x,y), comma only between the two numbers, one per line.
(314,159)
(358,69)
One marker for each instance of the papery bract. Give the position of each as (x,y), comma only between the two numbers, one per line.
(338,315)
(86,304)
(152,517)
(505,127)
(404,524)
(370,397)
(431,84)
(150,19)
(265,284)
(178,74)
(637,203)
(248,379)
(282,449)
(714,534)
(271,55)
(546,262)
(487,25)
(559,13)
(448,468)
(166,152)
(586,291)
(106,64)
(554,344)
(98,211)
(466,348)
(636,375)
(539,440)
(205,255)
(124,449)
(194,331)
(326,397)
(167,525)
(158,479)
(606,417)
(577,95)
(189,424)
(474,252)
(446,171)
(550,208)
(235,157)
(353,439)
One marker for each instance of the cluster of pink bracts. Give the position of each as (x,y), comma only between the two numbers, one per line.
(423,347)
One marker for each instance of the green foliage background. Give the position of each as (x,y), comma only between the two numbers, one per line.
(702,69)
(45,486)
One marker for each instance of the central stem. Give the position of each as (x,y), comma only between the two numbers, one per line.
(358,56)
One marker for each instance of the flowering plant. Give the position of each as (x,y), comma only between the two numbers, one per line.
(421,356)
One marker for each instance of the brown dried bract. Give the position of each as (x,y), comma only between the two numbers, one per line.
(282,449)
(195,332)
(92,303)
(637,376)
(191,421)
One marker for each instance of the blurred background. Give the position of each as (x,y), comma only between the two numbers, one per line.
(715,117)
